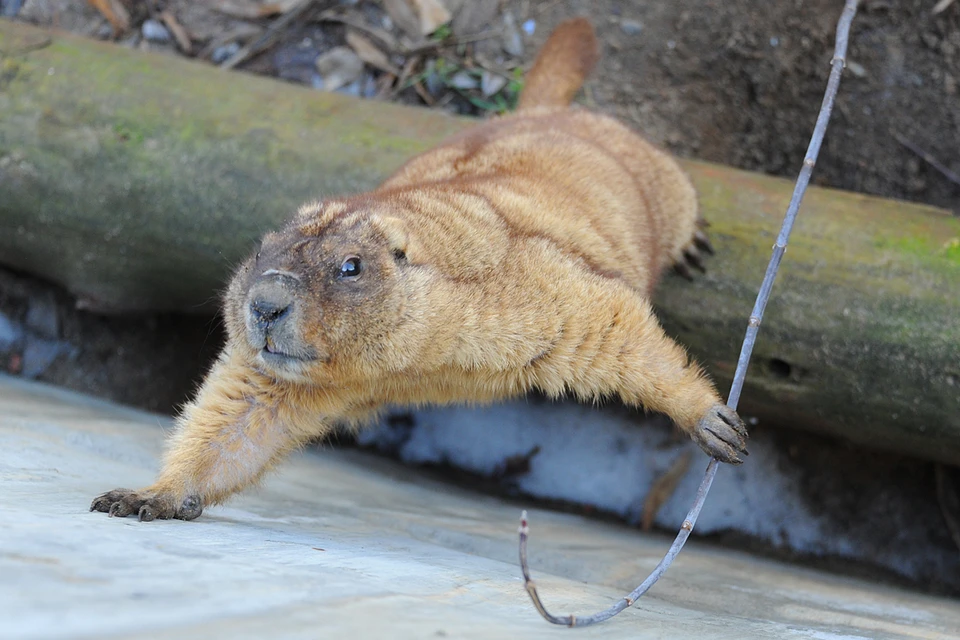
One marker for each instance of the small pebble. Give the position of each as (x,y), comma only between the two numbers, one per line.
(631,27)
(774,41)
(856,69)
(530,27)
(224,53)
(153,31)
(464,80)
(491,83)
(353,89)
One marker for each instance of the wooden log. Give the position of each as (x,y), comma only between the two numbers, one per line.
(137,181)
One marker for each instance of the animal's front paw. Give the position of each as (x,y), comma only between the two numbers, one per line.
(722,434)
(148,505)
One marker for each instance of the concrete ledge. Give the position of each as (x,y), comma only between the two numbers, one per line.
(345,545)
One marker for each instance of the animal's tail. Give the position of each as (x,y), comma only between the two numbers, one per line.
(564,62)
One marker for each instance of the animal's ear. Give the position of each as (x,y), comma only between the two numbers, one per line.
(398,237)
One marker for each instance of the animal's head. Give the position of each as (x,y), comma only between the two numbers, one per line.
(332,293)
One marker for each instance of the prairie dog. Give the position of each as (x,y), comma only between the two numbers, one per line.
(518,255)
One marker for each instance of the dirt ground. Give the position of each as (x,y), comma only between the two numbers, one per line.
(740,82)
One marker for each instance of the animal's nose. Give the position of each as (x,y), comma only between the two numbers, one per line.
(267,312)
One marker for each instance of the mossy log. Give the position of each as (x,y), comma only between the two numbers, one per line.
(137,181)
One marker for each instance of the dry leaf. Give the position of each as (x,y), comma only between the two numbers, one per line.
(432,14)
(370,53)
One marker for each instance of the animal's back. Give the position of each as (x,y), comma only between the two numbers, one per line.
(493,265)
(588,183)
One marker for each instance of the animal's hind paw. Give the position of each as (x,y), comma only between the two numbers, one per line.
(693,255)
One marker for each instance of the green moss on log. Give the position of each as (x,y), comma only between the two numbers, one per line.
(138,181)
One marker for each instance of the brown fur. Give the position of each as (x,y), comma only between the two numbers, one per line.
(519,255)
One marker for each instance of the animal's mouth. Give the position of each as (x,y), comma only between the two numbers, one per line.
(274,354)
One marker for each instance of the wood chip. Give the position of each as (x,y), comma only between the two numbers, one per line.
(115,13)
(432,14)
(370,53)
(179,33)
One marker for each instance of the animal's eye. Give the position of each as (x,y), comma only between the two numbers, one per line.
(351,268)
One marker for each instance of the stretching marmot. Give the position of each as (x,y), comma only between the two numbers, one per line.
(519,255)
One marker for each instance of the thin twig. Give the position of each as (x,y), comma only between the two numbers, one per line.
(269,36)
(756,317)
(455,41)
(952,176)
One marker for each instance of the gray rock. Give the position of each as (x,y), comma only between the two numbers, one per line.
(856,69)
(353,89)
(153,31)
(224,53)
(631,27)
(464,80)
(491,83)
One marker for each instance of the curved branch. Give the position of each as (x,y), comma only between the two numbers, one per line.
(753,327)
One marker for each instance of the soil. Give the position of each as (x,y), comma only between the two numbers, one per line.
(740,82)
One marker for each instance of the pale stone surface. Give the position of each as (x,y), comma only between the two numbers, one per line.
(340,544)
